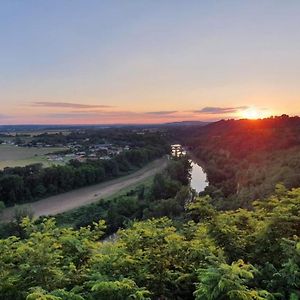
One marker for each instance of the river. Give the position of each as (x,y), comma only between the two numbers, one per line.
(198,177)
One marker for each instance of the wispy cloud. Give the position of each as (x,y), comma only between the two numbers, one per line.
(162,112)
(220,110)
(108,113)
(88,114)
(66,105)
(70,115)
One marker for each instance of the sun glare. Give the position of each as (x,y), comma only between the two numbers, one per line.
(251,113)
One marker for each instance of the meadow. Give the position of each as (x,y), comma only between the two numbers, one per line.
(13,156)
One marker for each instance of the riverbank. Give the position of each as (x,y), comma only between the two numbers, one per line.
(197,160)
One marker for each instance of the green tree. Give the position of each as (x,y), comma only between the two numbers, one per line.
(118,290)
(2,206)
(223,281)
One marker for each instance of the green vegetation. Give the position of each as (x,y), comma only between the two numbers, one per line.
(25,184)
(245,159)
(135,138)
(164,195)
(12,156)
(2,206)
(221,255)
(87,214)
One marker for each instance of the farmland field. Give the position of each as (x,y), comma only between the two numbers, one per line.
(12,156)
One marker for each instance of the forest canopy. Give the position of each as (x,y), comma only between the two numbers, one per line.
(245,159)
(211,255)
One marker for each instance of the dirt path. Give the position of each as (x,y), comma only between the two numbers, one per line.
(70,200)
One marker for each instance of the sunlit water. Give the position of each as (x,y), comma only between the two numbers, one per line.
(198,178)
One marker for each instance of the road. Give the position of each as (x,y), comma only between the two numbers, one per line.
(83,196)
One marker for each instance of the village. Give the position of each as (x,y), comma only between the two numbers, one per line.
(74,151)
(60,152)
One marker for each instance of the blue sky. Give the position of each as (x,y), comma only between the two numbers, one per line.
(133,61)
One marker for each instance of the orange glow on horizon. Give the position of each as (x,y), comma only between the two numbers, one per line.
(253,114)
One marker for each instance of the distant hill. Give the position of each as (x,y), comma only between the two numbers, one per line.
(242,137)
(22,128)
(187,123)
(245,159)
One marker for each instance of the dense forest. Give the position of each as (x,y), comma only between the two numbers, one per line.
(234,255)
(238,240)
(33,182)
(245,159)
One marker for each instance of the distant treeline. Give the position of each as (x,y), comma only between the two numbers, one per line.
(30,183)
(245,159)
(116,136)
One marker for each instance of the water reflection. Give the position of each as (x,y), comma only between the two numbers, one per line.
(198,178)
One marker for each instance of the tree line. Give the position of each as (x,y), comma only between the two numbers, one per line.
(33,182)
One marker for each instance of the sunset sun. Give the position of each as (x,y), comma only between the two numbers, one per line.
(251,113)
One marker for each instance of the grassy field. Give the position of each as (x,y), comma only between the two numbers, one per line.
(12,156)
(70,217)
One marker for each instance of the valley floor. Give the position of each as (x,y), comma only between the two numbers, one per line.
(74,199)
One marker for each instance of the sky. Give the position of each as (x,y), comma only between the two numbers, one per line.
(138,61)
